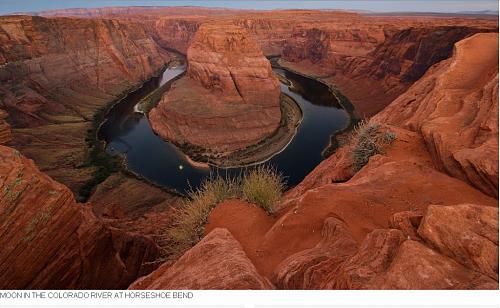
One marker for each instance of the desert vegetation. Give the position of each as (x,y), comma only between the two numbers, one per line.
(368,139)
(262,186)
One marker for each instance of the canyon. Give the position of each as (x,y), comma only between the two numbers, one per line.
(229,98)
(421,215)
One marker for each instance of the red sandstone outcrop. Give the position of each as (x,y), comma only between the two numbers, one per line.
(230,98)
(356,248)
(455,109)
(56,73)
(5,132)
(417,266)
(174,33)
(216,262)
(130,204)
(467,233)
(372,59)
(50,242)
(374,64)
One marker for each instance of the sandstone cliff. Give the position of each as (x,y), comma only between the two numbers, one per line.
(374,63)
(5,132)
(230,97)
(455,109)
(56,73)
(51,242)
(371,59)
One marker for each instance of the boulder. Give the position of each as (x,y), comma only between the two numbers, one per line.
(216,262)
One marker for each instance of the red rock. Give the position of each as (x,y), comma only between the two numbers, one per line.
(307,269)
(50,242)
(408,222)
(455,108)
(337,168)
(216,262)
(372,259)
(5,132)
(419,267)
(230,98)
(176,33)
(467,233)
(56,73)
(364,203)
(133,205)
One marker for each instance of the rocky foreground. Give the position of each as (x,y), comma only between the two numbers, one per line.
(230,98)
(423,215)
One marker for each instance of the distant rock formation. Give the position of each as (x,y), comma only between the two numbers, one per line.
(55,73)
(230,98)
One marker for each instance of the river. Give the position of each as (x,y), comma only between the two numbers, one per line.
(128,132)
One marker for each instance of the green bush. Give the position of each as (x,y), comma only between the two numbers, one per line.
(264,187)
(368,139)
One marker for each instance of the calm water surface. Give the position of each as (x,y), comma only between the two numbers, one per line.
(128,132)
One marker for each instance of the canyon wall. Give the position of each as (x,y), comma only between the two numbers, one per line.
(230,98)
(51,242)
(5,132)
(57,73)
(455,108)
(371,59)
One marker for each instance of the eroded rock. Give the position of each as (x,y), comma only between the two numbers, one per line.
(455,108)
(216,262)
(230,98)
(50,242)
(467,233)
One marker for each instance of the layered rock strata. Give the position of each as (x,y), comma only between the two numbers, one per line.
(51,242)
(454,107)
(217,262)
(56,73)
(230,98)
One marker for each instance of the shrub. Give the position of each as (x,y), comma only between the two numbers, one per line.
(368,140)
(193,214)
(264,187)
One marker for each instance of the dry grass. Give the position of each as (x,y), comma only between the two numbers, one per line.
(368,139)
(192,216)
(262,186)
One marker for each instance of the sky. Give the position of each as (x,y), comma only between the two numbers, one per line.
(442,6)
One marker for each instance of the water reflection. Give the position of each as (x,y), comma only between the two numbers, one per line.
(128,132)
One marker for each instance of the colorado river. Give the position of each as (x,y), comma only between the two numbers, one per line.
(128,132)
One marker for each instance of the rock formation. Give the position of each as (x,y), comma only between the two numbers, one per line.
(5,132)
(50,242)
(217,262)
(421,215)
(455,109)
(54,76)
(371,59)
(230,98)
